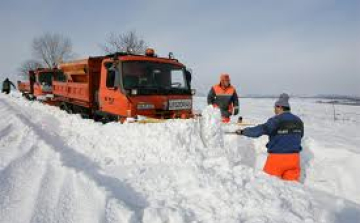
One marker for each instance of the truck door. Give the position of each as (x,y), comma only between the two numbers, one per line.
(32,81)
(111,98)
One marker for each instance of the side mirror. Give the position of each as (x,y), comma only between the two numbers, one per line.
(188,77)
(193,91)
(108,65)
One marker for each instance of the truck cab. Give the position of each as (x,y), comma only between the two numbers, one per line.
(39,86)
(144,85)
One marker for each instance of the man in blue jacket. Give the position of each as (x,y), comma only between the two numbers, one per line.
(285,132)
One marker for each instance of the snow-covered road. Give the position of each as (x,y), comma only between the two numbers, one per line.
(56,167)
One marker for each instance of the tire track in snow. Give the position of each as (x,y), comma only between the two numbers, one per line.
(70,158)
(4,132)
(19,179)
(14,143)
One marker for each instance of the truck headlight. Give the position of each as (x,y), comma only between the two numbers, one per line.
(145,106)
(134,91)
(165,105)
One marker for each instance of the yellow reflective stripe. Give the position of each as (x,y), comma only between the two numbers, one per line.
(226,95)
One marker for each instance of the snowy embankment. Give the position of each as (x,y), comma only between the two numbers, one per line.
(56,167)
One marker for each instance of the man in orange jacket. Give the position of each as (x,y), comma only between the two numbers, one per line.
(285,131)
(224,96)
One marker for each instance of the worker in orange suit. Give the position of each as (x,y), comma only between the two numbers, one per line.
(224,96)
(285,132)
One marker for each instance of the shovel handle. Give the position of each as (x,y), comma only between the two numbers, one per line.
(230,133)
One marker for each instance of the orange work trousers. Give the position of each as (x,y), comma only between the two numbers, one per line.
(285,166)
(225,119)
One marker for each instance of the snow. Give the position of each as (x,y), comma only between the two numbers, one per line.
(56,167)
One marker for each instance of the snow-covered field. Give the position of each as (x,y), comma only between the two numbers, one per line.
(56,167)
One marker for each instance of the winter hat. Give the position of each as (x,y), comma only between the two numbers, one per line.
(283,100)
(224,77)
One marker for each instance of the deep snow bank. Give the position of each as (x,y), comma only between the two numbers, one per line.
(56,167)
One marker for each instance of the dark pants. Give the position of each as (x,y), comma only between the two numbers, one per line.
(6,91)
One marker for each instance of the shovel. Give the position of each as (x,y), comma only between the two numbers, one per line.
(230,133)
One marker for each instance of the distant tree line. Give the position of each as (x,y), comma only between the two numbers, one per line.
(127,42)
(51,49)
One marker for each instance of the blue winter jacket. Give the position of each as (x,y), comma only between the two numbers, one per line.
(284,130)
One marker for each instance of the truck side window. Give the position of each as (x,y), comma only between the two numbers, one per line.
(59,76)
(177,79)
(110,77)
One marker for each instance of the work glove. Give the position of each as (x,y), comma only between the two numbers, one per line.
(236,110)
(239,132)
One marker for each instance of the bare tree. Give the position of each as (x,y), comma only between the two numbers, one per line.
(127,42)
(28,65)
(52,49)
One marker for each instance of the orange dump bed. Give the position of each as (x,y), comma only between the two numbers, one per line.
(82,81)
(24,87)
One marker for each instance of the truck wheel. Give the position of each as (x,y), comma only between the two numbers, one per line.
(96,117)
(69,109)
(26,96)
(122,120)
(61,106)
(66,107)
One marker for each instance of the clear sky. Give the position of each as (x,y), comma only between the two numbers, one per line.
(267,46)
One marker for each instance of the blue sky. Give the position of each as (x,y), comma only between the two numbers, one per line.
(267,47)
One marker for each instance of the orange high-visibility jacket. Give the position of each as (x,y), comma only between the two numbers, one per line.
(224,98)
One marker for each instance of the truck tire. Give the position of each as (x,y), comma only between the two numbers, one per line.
(26,96)
(66,107)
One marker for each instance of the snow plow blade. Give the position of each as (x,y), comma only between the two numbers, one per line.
(151,120)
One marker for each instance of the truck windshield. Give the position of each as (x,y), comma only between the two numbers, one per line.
(45,78)
(154,76)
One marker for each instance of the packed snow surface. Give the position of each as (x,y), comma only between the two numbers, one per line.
(56,167)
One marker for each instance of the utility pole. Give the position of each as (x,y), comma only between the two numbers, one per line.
(334,111)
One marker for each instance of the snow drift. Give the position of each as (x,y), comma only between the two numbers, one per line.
(56,167)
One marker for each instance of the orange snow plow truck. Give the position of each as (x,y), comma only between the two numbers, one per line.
(124,86)
(39,86)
